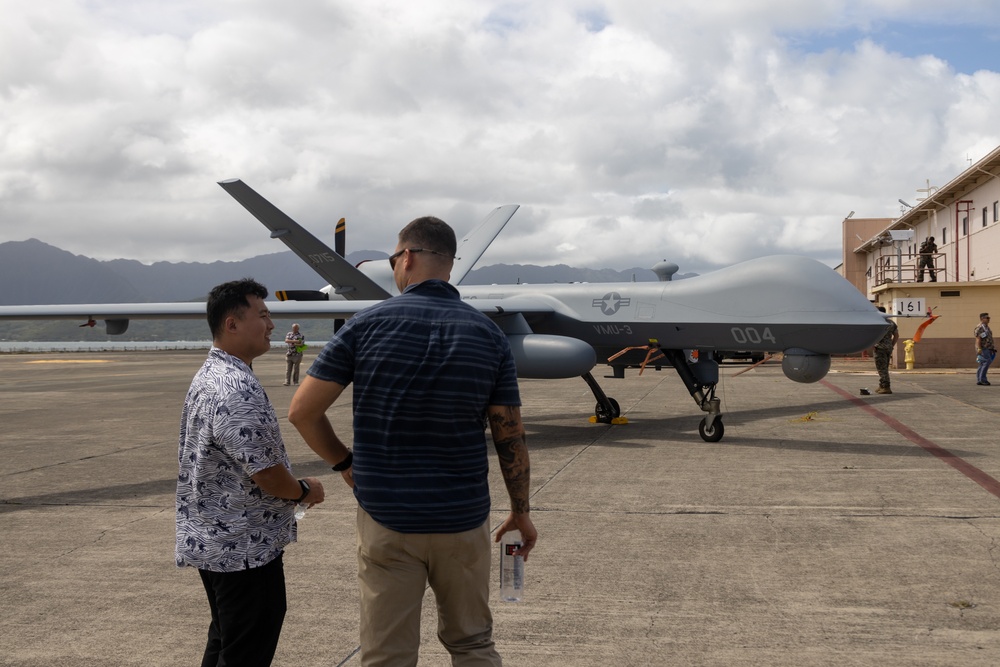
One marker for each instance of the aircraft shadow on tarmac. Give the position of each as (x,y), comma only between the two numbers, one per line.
(128,495)
(681,431)
(551,432)
(112,495)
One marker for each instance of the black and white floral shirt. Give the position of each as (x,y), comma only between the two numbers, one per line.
(225,522)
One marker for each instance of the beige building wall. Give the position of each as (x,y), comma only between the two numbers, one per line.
(964,218)
(856,232)
(947,342)
(984,244)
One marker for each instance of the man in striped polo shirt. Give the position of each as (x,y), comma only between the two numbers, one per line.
(427,368)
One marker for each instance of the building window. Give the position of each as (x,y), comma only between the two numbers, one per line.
(984,216)
(996,211)
(965,225)
(944,235)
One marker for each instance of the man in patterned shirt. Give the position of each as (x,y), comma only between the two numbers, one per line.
(296,342)
(427,370)
(986,350)
(236,495)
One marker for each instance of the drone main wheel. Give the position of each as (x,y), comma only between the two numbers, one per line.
(713,434)
(605,417)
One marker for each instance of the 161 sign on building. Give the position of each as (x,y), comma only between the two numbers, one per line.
(909,308)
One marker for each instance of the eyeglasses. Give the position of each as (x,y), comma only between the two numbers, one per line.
(393,257)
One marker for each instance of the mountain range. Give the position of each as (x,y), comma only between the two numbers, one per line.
(33,272)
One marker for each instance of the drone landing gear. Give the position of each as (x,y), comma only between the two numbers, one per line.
(711,433)
(702,390)
(607,410)
(701,385)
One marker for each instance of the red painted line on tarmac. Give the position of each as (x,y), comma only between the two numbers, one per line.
(956,462)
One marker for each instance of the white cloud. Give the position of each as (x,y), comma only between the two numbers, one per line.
(629,130)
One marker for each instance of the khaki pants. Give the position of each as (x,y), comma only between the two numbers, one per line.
(292,362)
(393,571)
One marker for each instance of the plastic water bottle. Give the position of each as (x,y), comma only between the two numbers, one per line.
(511,567)
(300,511)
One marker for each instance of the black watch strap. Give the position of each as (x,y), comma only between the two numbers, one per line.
(346,463)
(305,490)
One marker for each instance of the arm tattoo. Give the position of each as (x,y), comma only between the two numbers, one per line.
(512,451)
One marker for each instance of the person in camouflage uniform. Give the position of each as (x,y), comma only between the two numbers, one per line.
(926,260)
(883,354)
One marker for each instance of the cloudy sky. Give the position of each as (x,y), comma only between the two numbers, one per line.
(704,132)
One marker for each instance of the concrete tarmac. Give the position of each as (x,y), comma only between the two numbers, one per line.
(826,528)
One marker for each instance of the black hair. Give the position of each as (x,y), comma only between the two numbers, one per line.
(429,233)
(881,308)
(982,315)
(230,298)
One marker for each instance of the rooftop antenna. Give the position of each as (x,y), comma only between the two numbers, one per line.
(929,190)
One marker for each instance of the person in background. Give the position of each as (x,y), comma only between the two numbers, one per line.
(926,260)
(296,343)
(236,495)
(883,355)
(427,370)
(986,350)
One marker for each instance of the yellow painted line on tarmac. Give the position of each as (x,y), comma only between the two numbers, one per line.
(69,361)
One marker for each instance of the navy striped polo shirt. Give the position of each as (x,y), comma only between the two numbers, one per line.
(425,366)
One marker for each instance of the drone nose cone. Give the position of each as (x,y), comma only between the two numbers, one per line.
(665,270)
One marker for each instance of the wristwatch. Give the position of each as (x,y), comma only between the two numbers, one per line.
(346,463)
(305,490)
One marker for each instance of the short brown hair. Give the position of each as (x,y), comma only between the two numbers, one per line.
(429,233)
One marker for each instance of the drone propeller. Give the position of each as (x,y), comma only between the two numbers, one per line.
(301,295)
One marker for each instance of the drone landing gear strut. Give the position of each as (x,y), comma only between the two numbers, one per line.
(607,409)
(711,428)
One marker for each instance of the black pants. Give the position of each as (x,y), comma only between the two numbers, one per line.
(926,261)
(248,608)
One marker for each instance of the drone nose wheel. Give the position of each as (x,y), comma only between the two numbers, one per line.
(605,416)
(711,433)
